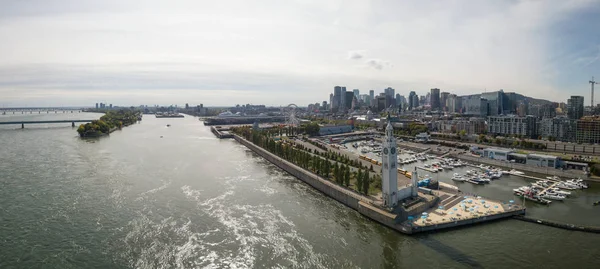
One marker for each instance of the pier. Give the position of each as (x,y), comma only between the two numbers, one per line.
(220,132)
(42,122)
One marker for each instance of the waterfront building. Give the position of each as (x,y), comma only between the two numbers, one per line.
(543,160)
(334,129)
(575,107)
(513,125)
(497,154)
(434,100)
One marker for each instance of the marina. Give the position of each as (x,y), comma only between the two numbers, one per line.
(494,183)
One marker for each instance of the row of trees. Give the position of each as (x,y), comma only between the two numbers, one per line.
(339,172)
(511,142)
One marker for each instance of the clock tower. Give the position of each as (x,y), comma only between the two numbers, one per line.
(389,186)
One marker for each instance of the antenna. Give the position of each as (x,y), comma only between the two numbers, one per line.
(593,82)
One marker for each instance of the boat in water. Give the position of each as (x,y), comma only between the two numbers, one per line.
(458,177)
(515,172)
(551,196)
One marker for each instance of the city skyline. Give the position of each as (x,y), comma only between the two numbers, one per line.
(137,53)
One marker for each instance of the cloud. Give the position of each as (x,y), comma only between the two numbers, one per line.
(355,54)
(378,64)
(463,45)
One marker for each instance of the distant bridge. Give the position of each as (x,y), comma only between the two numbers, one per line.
(42,122)
(39,110)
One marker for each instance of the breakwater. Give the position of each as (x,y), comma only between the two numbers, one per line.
(560,225)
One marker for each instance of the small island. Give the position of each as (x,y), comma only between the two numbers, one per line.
(111,121)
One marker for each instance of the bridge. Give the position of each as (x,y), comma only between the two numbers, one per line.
(39,110)
(42,122)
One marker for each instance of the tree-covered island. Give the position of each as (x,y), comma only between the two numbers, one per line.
(111,121)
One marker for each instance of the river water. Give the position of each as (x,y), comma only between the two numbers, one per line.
(189,200)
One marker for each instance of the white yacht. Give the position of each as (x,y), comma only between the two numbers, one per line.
(559,191)
(515,172)
(458,177)
(553,196)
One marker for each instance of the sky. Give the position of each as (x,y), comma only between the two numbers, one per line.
(273,52)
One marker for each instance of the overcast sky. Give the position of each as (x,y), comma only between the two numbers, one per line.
(274,52)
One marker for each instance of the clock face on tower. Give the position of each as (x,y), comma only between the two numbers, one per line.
(385,151)
(393,150)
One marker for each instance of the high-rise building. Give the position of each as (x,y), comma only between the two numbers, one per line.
(372,94)
(331,101)
(389,92)
(356,93)
(110,106)
(451,103)
(495,102)
(398,101)
(575,107)
(337,93)
(343,105)
(96,105)
(435,99)
(443,99)
(412,97)
(348,100)
(324,105)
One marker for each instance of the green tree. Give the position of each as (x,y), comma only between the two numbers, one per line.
(359,179)
(366,183)
(347,176)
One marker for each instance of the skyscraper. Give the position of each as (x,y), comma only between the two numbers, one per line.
(443,98)
(337,96)
(413,100)
(343,99)
(435,99)
(575,107)
(96,105)
(389,92)
(348,100)
(356,93)
(372,94)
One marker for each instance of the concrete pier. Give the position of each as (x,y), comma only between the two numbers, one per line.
(220,132)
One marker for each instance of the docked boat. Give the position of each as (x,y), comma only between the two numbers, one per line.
(481,179)
(458,177)
(364,150)
(530,195)
(566,186)
(515,172)
(559,191)
(553,178)
(470,180)
(553,196)
(448,167)
(578,183)
(427,165)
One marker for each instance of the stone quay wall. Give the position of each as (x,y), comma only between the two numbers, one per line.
(345,196)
